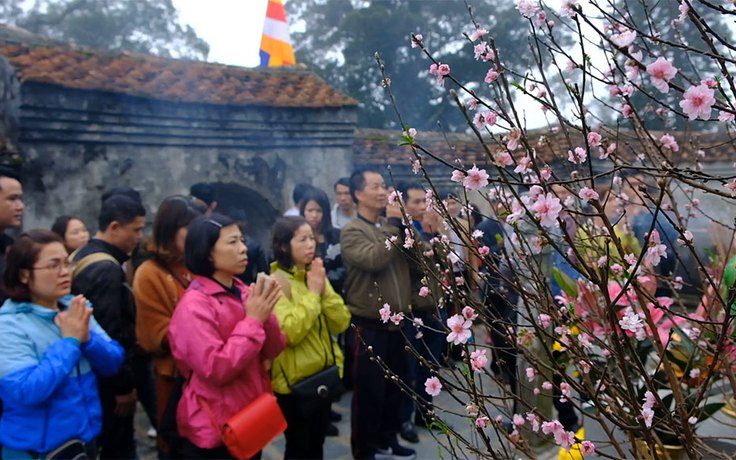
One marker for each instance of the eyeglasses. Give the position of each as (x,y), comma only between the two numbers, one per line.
(58,265)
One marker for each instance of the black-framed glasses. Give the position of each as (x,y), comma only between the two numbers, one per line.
(57,265)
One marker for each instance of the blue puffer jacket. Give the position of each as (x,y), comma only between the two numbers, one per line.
(47,383)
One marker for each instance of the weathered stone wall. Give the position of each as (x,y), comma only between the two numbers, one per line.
(78,143)
(9,111)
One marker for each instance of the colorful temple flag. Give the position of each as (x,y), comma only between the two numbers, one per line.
(276,47)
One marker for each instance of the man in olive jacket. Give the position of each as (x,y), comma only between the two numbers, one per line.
(376,275)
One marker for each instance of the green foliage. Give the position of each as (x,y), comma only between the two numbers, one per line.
(142,26)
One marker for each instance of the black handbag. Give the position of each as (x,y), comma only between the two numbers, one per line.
(70,450)
(318,389)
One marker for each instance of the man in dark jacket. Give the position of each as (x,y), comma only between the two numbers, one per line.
(100,277)
(11,213)
(375,276)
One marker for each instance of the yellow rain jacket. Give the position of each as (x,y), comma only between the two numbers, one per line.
(308,321)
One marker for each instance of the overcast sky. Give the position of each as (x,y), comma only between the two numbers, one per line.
(232,28)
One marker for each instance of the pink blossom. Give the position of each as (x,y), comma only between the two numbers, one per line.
(587,448)
(632,322)
(524,165)
(416,40)
(687,237)
(565,439)
(546,173)
(433,386)
(669,142)
(540,19)
(731,186)
(546,385)
(385,312)
(568,8)
(484,52)
(725,117)
(482,422)
(393,196)
(416,166)
(534,420)
(661,71)
(408,239)
(577,155)
(545,320)
(396,318)
(588,194)
(697,102)
(457,175)
(424,291)
(472,409)
(594,139)
(478,360)
(478,33)
(459,329)
(502,158)
(469,313)
(627,111)
(624,39)
(389,243)
(476,179)
(513,138)
(486,118)
(527,8)
(491,76)
(518,420)
(484,251)
(565,390)
(547,209)
(677,283)
(654,254)
(552,427)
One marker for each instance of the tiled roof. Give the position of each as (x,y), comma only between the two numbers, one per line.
(382,147)
(168,79)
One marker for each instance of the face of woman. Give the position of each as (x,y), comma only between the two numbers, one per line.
(76,235)
(303,246)
(313,213)
(50,278)
(180,238)
(230,255)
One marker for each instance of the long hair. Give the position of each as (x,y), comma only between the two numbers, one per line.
(174,213)
(319,197)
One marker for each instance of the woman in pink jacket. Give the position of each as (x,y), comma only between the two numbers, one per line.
(223,335)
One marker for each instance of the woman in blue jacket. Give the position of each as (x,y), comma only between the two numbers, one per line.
(50,350)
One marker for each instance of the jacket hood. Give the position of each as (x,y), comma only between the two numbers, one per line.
(11,307)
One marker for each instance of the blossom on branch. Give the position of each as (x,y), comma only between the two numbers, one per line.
(661,71)
(697,102)
(433,386)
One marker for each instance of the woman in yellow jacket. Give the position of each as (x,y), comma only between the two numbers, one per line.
(310,312)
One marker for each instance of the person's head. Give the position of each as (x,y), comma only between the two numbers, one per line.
(315,208)
(476,217)
(204,193)
(415,199)
(368,189)
(121,222)
(297,195)
(37,268)
(11,199)
(170,226)
(342,195)
(453,205)
(215,247)
(293,242)
(130,192)
(72,231)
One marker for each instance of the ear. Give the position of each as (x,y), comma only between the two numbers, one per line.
(24,276)
(114,226)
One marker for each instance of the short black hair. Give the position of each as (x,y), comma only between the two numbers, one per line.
(119,208)
(203,191)
(283,232)
(404,187)
(61,223)
(319,197)
(7,171)
(204,231)
(342,181)
(124,190)
(299,190)
(357,179)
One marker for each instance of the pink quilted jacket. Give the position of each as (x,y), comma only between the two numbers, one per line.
(224,352)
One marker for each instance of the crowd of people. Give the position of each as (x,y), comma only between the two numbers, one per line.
(184,323)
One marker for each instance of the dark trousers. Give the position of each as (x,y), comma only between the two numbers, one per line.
(430,347)
(375,417)
(144,386)
(116,440)
(189,450)
(305,433)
